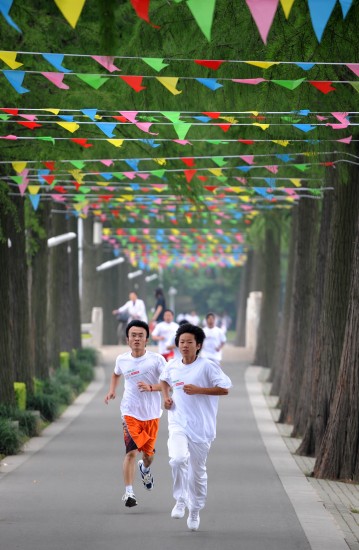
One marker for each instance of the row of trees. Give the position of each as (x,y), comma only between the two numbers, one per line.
(309,338)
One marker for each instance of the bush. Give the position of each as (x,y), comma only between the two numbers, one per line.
(72,380)
(28,423)
(47,404)
(10,438)
(86,354)
(84,369)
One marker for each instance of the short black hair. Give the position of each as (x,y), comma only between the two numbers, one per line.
(139,324)
(210,314)
(170,310)
(188,328)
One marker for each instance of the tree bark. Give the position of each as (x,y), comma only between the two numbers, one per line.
(309,386)
(74,306)
(303,289)
(240,338)
(276,373)
(268,324)
(338,457)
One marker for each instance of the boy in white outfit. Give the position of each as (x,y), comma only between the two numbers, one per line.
(196,383)
(214,341)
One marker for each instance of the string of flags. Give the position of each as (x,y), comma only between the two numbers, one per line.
(263,13)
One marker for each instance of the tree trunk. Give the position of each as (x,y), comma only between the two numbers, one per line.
(7,379)
(268,324)
(39,295)
(19,299)
(335,300)
(92,257)
(338,457)
(309,387)
(276,373)
(240,338)
(302,298)
(74,306)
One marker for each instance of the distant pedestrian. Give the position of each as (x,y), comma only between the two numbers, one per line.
(193,318)
(196,383)
(140,405)
(214,341)
(163,332)
(160,306)
(171,343)
(135,308)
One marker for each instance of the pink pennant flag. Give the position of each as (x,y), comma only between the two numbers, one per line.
(56,78)
(253,81)
(106,61)
(58,198)
(130,115)
(273,168)
(10,136)
(247,158)
(130,175)
(29,117)
(263,12)
(354,67)
(145,127)
(107,162)
(143,176)
(182,141)
(321,118)
(345,140)
(241,180)
(344,122)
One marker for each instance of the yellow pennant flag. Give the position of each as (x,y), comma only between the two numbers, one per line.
(33,189)
(71,10)
(10,59)
(69,126)
(128,198)
(106,231)
(102,183)
(263,126)
(19,166)
(229,119)
(54,111)
(116,142)
(263,64)
(77,175)
(169,82)
(79,206)
(216,171)
(282,142)
(245,198)
(296,181)
(287,6)
(161,162)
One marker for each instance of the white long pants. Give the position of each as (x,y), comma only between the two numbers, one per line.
(189,472)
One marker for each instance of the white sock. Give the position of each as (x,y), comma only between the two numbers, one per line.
(144,469)
(129,489)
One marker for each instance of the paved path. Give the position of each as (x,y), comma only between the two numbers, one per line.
(64,492)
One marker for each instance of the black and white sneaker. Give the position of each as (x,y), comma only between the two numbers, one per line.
(129,499)
(147,478)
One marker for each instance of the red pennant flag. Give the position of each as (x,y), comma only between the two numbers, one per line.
(49,164)
(211,115)
(189,174)
(210,187)
(188,161)
(105,198)
(77,185)
(120,118)
(30,125)
(324,87)
(60,189)
(142,7)
(82,142)
(134,81)
(327,163)
(246,141)
(10,111)
(49,179)
(224,127)
(202,178)
(209,63)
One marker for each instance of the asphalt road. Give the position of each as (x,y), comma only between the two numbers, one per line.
(67,495)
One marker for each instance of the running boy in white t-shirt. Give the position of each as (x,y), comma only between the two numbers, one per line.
(140,405)
(196,383)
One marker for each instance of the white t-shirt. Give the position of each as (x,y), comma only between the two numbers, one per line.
(167,330)
(215,337)
(195,414)
(136,310)
(147,368)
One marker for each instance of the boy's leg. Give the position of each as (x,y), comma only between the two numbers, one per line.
(179,455)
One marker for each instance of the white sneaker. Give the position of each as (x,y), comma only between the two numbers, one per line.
(129,499)
(193,520)
(147,479)
(178,510)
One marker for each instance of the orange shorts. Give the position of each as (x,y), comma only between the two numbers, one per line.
(140,434)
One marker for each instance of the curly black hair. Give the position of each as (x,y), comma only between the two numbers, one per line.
(188,328)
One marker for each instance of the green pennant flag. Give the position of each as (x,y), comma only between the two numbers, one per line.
(4,117)
(155,62)
(119,175)
(291,119)
(203,11)
(181,129)
(47,138)
(158,173)
(173,116)
(95,81)
(219,161)
(355,85)
(290,84)
(302,167)
(78,164)
(84,190)
(214,141)
(17,179)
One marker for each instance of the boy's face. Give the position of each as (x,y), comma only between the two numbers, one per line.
(168,317)
(210,321)
(188,346)
(137,339)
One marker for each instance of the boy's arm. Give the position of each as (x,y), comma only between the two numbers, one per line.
(113,385)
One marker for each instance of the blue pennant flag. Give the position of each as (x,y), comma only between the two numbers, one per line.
(15,78)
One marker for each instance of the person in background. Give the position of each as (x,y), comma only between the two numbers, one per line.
(135,308)
(160,306)
(215,339)
(140,405)
(193,318)
(196,384)
(163,332)
(171,343)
